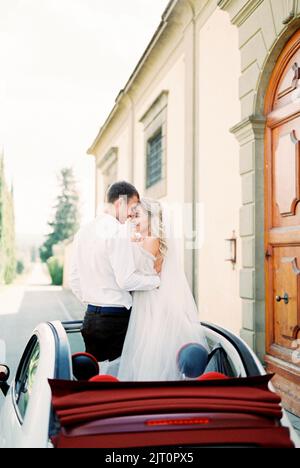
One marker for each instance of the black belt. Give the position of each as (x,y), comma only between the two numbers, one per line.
(108,310)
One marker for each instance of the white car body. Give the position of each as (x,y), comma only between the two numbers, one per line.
(34,429)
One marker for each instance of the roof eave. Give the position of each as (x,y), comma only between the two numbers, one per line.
(137,69)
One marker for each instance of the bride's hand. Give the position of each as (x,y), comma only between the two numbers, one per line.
(158,264)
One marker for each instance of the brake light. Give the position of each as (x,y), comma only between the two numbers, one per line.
(178,422)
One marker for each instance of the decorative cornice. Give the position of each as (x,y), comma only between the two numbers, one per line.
(249,129)
(239,15)
(160,102)
(108,159)
(289,10)
(245,12)
(223,4)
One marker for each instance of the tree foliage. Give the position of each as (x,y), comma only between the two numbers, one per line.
(65,222)
(56,271)
(7,230)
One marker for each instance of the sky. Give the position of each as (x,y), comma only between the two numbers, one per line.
(62,64)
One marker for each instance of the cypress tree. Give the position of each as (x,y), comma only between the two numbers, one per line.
(65,222)
(7,230)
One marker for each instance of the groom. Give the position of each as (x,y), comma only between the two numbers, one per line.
(103,273)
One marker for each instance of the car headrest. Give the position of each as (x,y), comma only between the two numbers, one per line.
(85,366)
(192,359)
(104,378)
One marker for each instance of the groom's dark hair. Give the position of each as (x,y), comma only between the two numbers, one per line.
(121,189)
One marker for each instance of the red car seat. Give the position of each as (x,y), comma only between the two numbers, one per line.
(104,378)
(213,376)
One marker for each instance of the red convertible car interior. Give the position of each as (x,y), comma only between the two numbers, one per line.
(191,413)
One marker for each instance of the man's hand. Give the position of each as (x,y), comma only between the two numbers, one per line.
(158,264)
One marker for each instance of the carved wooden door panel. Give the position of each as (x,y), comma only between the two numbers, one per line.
(282,226)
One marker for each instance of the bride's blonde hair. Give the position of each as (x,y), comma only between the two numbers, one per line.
(156,225)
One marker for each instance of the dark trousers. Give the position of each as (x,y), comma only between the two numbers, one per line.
(104,334)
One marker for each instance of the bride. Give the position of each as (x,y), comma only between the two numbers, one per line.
(162,320)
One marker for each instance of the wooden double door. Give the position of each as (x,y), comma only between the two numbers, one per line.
(282,224)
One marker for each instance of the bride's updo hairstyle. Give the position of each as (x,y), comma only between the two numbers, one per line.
(155,219)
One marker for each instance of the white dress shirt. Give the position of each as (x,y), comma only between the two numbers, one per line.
(103,270)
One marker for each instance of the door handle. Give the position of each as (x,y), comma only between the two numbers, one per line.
(285,298)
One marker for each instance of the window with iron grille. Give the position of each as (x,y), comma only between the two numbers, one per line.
(154,159)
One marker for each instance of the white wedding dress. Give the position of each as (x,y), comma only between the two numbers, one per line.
(161,322)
